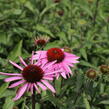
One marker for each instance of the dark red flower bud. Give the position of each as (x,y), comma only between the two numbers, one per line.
(41,41)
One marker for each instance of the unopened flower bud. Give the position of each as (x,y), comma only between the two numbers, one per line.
(90,1)
(15,107)
(67,49)
(60,13)
(104,69)
(57,1)
(91,74)
(41,41)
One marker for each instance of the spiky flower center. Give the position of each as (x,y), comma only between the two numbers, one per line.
(41,42)
(55,54)
(32,73)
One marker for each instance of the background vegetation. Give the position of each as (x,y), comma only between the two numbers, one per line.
(80,25)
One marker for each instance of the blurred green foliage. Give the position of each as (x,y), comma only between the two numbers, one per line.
(81,25)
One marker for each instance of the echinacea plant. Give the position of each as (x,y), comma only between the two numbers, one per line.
(63,60)
(43,67)
(33,77)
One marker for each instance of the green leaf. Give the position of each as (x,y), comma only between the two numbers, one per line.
(9,103)
(52,45)
(62,36)
(54,100)
(104,102)
(58,85)
(84,63)
(4,39)
(7,93)
(47,8)
(38,105)
(29,5)
(17,51)
(44,29)
(83,53)
(87,105)
(3,88)
(17,11)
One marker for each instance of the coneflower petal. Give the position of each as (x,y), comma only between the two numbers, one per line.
(16,83)
(16,65)
(21,91)
(12,79)
(49,85)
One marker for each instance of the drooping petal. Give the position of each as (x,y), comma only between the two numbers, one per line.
(29,87)
(10,74)
(20,92)
(71,65)
(67,68)
(63,75)
(36,88)
(22,61)
(12,79)
(41,86)
(57,76)
(16,65)
(49,85)
(16,83)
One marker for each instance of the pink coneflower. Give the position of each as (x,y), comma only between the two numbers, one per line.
(63,60)
(41,41)
(33,76)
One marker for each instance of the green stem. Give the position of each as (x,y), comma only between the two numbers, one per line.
(33,99)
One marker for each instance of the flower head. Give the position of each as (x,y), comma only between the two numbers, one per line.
(41,41)
(34,75)
(63,60)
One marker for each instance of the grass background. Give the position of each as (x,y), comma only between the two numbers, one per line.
(81,25)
